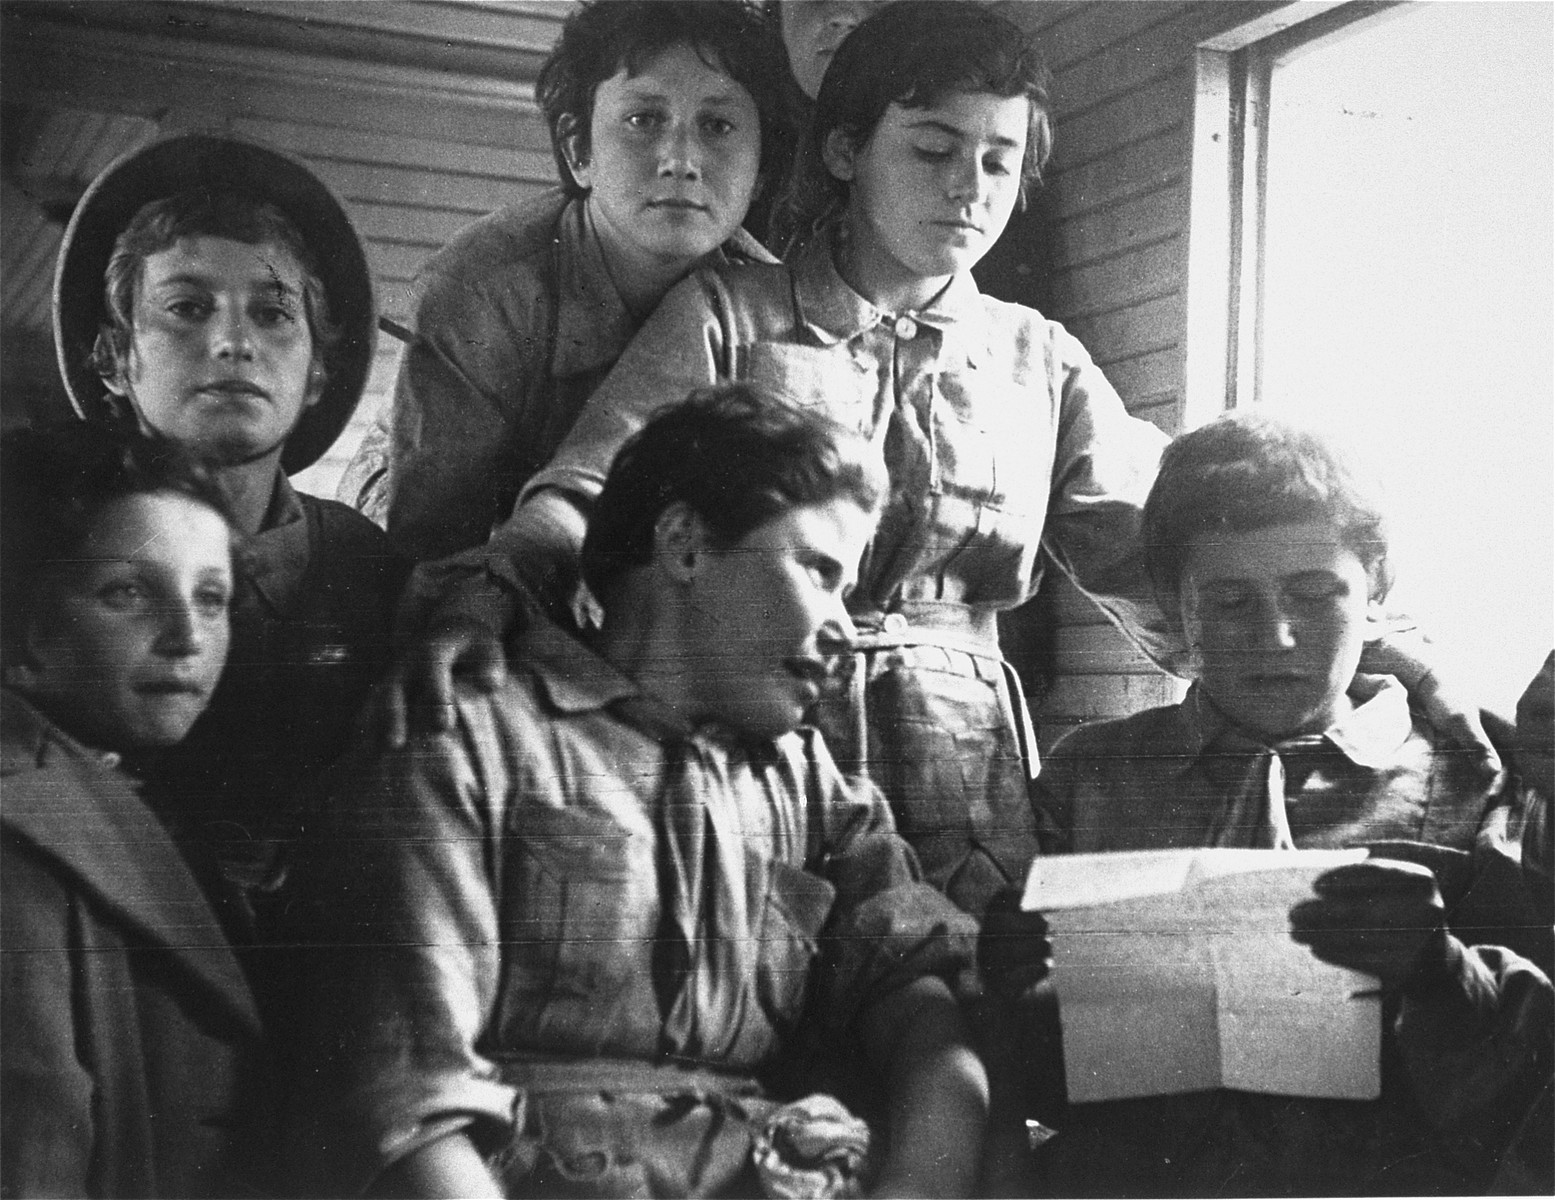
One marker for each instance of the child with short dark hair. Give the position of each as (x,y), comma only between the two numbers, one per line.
(129,1038)
(571,947)
(664,118)
(1271,552)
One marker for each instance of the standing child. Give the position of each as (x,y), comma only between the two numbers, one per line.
(213,292)
(1008,450)
(663,120)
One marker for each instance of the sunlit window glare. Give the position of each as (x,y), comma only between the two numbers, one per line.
(1408,301)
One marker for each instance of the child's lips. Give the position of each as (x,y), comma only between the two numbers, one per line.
(229,388)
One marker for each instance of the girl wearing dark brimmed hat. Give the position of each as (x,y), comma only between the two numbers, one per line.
(213,291)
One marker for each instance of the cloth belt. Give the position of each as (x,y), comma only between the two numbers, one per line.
(622,1075)
(946,625)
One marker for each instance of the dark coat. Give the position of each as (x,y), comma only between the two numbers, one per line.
(127,1029)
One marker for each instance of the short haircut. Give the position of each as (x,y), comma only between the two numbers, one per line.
(55,484)
(159,225)
(1246,471)
(735,458)
(916,53)
(603,37)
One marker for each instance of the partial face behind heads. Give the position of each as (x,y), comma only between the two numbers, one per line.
(221,357)
(812,31)
(929,193)
(134,636)
(1276,618)
(767,616)
(672,159)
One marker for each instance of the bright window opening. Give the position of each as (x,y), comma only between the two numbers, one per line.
(1408,298)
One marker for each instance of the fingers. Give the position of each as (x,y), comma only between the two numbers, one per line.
(486,663)
(1465,731)
(1378,917)
(1013,949)
(1376,877)
(419,691)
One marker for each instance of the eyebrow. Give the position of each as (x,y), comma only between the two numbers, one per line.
(639,88)
(937,126)
(271,282)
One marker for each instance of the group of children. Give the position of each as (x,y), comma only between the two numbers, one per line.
(658,862)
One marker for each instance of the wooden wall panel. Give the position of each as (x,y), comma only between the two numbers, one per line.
(1114,222)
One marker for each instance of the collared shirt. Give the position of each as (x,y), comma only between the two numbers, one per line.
(1001,437)
(516,322)
(509,892)
(1185,775)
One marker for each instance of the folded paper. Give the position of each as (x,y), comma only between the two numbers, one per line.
(1176,972)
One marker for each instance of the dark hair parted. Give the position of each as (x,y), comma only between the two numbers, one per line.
(1246,471)
(603,37)
(160,224)
(734,457)
(56,482)
(916,53)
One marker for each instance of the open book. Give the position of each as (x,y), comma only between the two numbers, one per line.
(1175,972)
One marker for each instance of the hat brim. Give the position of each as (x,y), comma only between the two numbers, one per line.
(217,162)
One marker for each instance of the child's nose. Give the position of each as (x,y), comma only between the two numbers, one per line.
(680,153)
(234,338)
(182,634)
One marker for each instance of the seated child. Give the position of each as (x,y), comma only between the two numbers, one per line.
(127,1031)
(215,293)
(1272,552)
(570,945)
(663,117)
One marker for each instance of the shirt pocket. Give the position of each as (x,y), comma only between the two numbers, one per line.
(992,448)
(796,907)
(829,379)
(577,905)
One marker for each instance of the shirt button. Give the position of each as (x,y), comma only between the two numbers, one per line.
(906,328)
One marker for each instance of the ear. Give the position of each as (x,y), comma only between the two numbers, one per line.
(679,542)
(110,365)
(837,153)
(1182,617)
(36,652)
(574,150)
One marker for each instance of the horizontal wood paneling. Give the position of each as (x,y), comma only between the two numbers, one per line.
(1115,219)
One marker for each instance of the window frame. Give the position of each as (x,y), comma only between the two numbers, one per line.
(1228,192)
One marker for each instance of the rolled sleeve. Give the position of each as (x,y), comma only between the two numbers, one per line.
(398,897)
(888,927)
